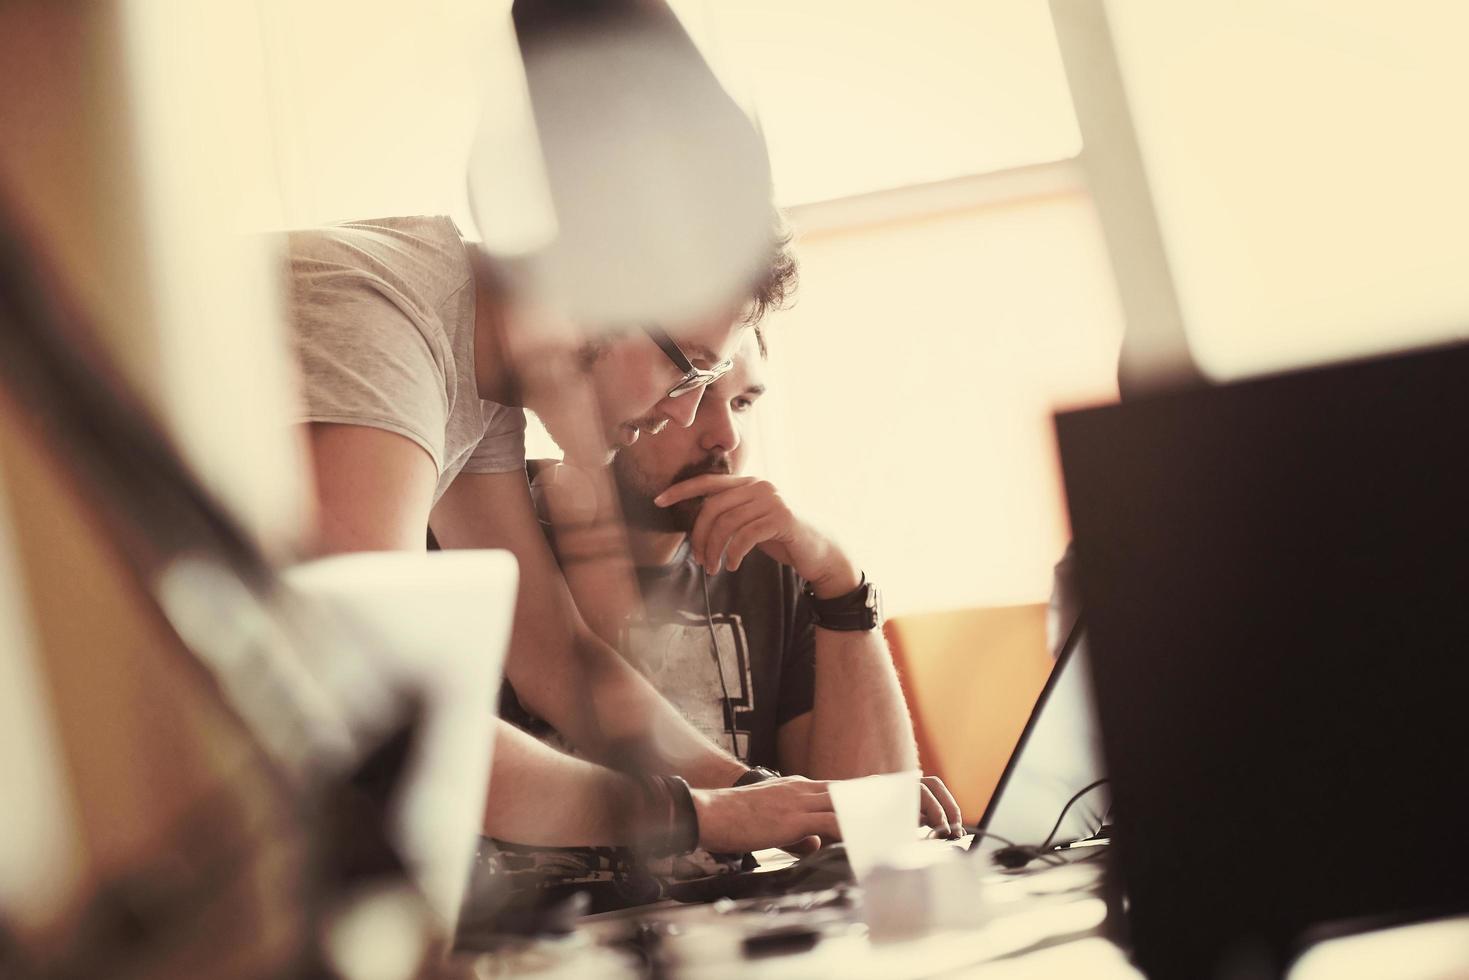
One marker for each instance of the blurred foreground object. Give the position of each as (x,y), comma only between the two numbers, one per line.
(137,153)
(215,806)
(218,759)
(439,624)
(659,183)
(1280,182)
(1420,951)
(178,826)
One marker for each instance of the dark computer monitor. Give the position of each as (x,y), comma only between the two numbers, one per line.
(1277,592)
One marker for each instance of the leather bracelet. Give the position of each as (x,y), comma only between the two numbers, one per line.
(669,823)
(683,829)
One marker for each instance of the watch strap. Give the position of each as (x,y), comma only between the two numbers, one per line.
(859,610)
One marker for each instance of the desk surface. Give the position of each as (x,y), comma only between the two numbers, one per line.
(1045,922)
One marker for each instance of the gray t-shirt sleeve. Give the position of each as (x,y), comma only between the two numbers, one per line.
(502,448)
(364,362)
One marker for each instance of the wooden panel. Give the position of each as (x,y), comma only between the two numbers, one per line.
(971,677)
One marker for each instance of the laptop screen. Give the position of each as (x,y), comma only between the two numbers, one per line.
(1057,755)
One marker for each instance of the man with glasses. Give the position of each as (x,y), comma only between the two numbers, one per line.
(755,624)
(417,364)
(729,572)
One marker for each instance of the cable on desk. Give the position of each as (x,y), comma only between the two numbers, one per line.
(1067,808)
(1015,856)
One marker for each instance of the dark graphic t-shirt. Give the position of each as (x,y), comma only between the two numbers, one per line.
(762,625)
(766,652)
(765,641)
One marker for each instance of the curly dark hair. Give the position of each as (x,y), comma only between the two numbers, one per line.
(775,289)
(772,290)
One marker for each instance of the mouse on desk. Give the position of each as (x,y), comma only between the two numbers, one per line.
(1014,856)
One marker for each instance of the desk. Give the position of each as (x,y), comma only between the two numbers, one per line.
(1042,923)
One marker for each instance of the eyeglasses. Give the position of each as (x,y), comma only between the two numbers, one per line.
(693,378)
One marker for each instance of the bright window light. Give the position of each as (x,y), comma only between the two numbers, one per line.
(868,95)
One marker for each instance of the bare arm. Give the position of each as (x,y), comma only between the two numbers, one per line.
(856,679)
(858,724)
(591,546)
(560,669)
(373,489)
(591,805)
(587,797)
(374,492)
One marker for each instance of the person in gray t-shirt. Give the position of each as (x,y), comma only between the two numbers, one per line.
(417,363)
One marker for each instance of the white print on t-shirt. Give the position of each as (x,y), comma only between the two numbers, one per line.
(679,660)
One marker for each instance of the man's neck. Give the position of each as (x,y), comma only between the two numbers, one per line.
(494,372)
(653,549)
(523,354)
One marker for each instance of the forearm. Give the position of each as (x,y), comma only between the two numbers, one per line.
(618,717)
(591,545)
(623,720)
(859,720)
(859,723)
(545,798)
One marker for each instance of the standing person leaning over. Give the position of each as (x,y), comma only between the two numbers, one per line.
(417,361)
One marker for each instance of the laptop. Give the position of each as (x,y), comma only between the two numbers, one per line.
(1275,574)
(1057,756)
(1052,790)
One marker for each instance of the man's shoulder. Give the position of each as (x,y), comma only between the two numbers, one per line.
(422,254)
(424,230)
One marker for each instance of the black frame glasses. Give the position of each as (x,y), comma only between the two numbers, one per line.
(693,378)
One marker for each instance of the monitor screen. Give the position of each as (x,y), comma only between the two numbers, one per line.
(1058,755)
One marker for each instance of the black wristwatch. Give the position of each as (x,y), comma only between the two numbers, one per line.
(756,774)
(855,612)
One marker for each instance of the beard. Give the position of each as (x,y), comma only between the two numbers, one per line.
(635,492)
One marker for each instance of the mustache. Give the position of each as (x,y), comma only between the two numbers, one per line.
(717,464)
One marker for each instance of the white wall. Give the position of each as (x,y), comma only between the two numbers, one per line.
(861,95)
(913,383)
(374,103)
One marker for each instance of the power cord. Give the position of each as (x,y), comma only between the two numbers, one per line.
(1015,856)
(1067,808)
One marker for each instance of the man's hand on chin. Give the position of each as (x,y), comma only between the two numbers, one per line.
(741,513)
